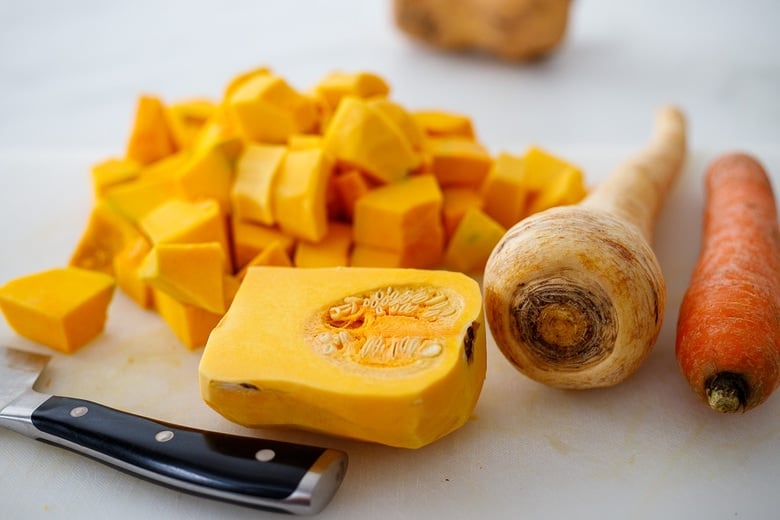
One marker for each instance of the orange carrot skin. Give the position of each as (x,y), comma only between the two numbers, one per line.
(729,319)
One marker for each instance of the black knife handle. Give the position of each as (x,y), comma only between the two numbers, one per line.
(267,474)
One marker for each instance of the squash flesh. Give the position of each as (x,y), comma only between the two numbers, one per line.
(151,138)
(252,190)
(472,242)
(61,308)
(192,273)
(268,361)
(361,136)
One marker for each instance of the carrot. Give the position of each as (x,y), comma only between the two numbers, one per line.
(574,295)
(728,328)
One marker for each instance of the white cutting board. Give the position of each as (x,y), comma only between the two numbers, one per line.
(644,449)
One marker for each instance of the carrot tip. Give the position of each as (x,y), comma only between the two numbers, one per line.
(727,392)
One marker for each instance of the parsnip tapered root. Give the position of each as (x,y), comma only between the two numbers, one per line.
(574,295)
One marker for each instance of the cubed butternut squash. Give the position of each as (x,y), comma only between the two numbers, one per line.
(266,109)
(275,254)
(565,187)
(189,323)
(207,174)
(155,184)
(151,138)
(348,187)
(186,118)
(332,251)
(399,214)
(249,239)
(111,172)
(240,79)
(126,271)
(106,234)
(454,205)
(61,308)
(300,194)
(541,166)
(437,123)
(424,254)
(392,356)
(505,190)
(304,141)
(182,221)
(367,256)
(190,273)
(458,162)
(252,192)
(216,133)
(361,136)
(471,244)
(333,87)
(402,119)
(267,176)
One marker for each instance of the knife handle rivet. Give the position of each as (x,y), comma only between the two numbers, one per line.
(79,411)
(265,455)
(163,436)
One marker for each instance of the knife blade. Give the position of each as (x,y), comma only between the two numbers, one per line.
(260,473)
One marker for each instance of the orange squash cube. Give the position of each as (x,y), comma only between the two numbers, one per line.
(458,162)
(437,123)
(456,201)
(274,254)
(333,250)
(126,264)
(396,215)
(207,174)
(61,308)
(112,172)
(151,138)
(191,273)
(300,194)
(504,191)
(266,109)
(361,136)
(186,118)
(473,241)
(105,235)
(249,239)
(425,254)
(333,87)
(256,172)
(349,186)
(181,221)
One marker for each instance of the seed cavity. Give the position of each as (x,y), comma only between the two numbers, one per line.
(418,302)
(363,329)
(381,350)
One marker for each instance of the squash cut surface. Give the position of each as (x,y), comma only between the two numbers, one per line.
(394,356)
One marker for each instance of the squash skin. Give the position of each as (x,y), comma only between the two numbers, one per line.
(259,369)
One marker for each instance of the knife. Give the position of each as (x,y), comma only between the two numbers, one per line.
(260,473)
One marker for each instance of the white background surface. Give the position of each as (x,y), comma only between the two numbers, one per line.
(70,73)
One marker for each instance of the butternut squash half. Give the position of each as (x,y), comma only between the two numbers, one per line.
(392,356)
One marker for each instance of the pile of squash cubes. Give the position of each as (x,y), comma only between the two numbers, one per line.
(339,175)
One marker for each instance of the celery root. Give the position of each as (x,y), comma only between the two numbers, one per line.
(574,296)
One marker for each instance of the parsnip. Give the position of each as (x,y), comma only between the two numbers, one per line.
(515,30)
(574,296)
